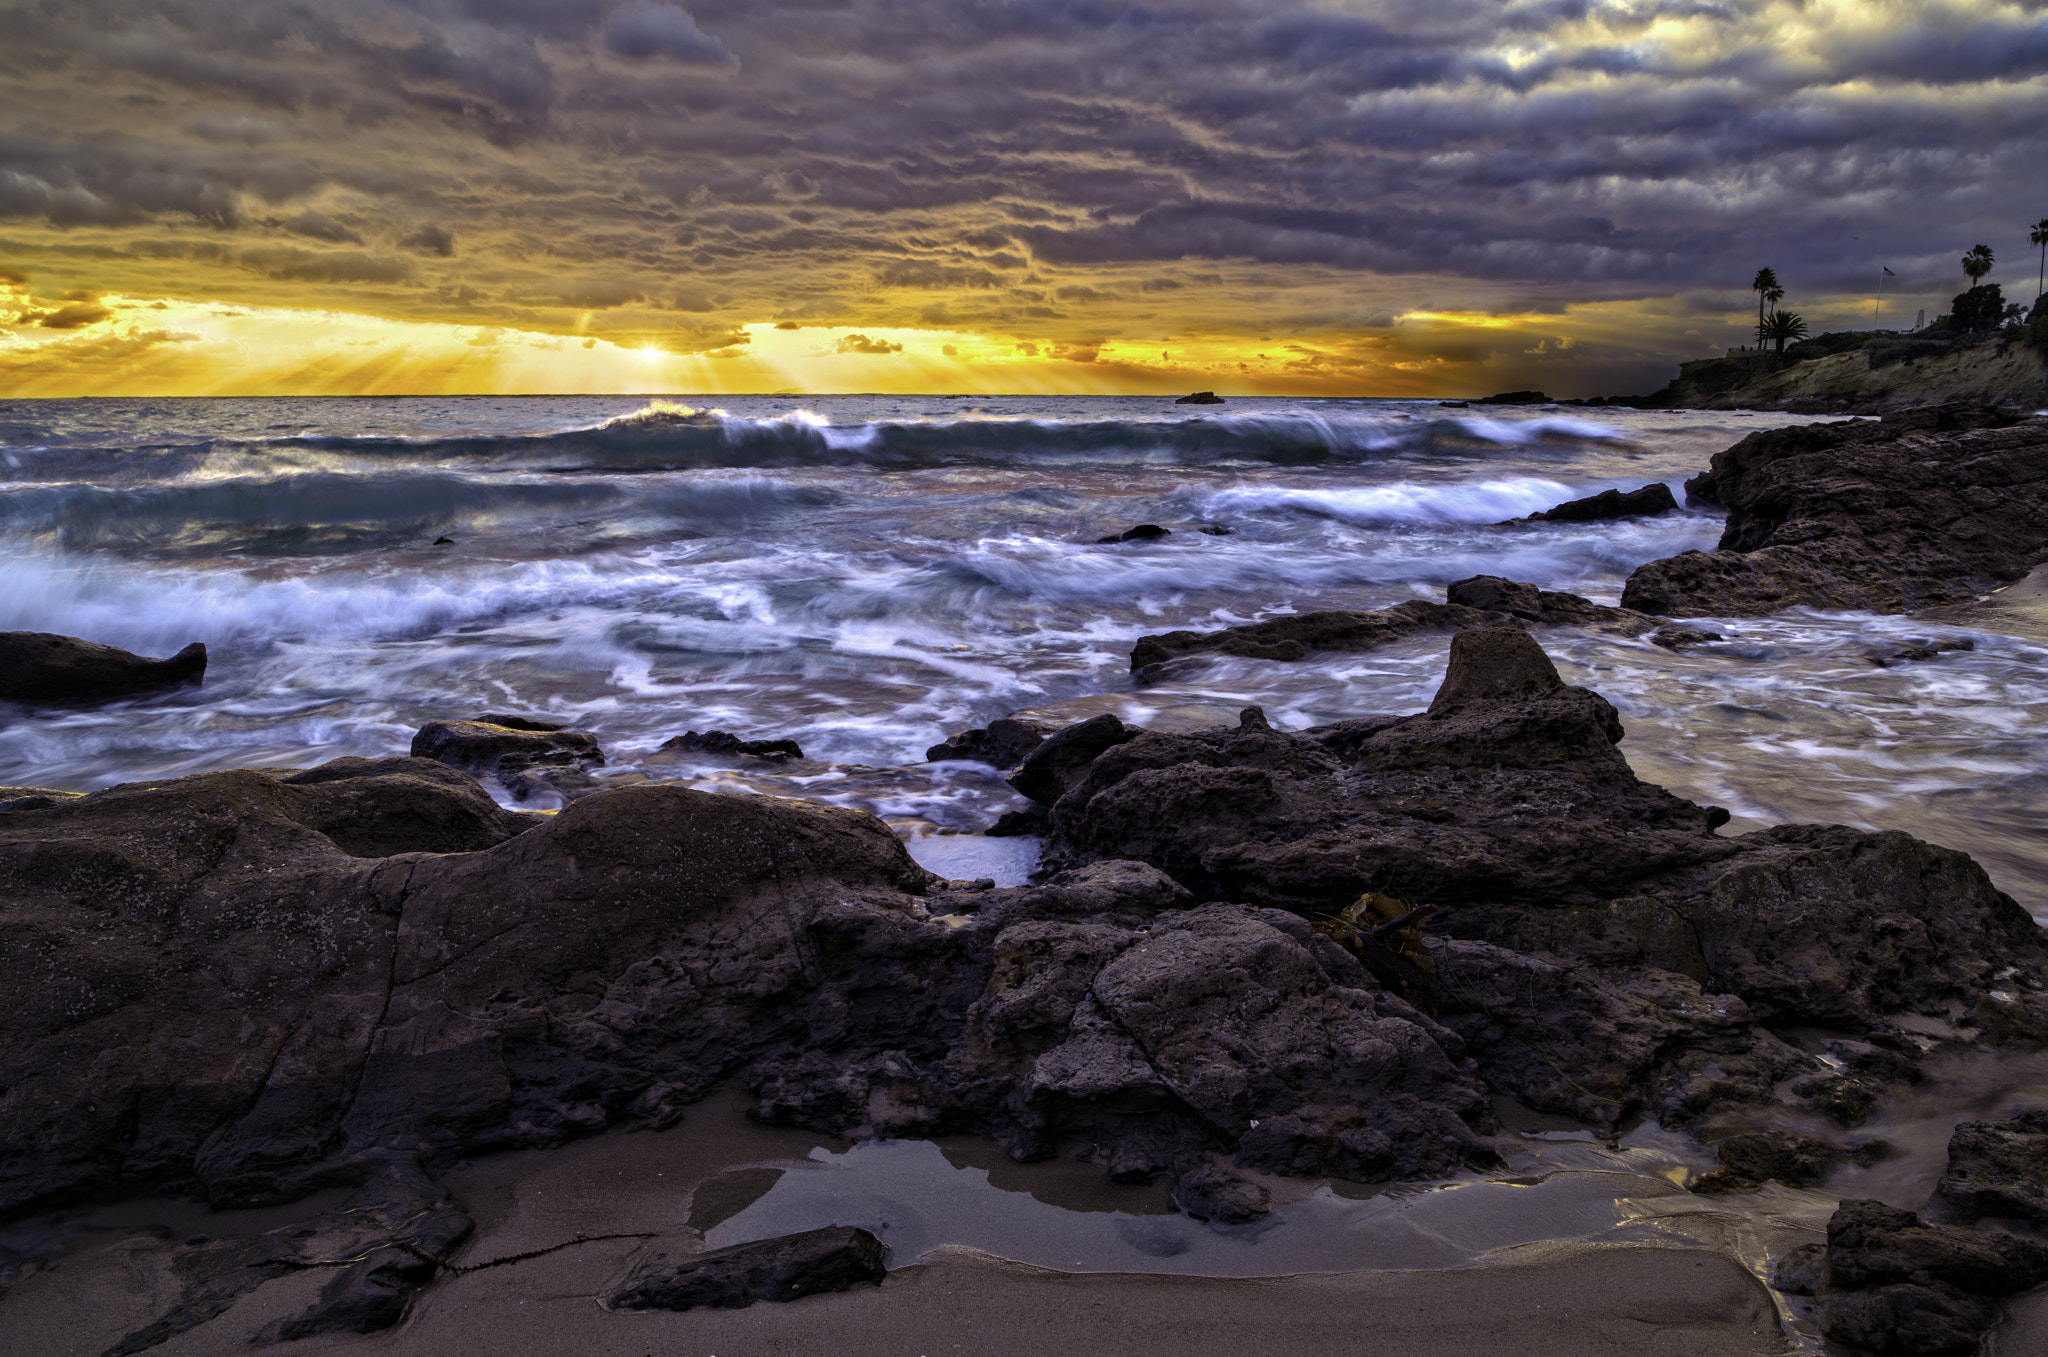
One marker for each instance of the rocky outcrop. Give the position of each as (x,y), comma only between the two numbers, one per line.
(45,670)
(1482,601)
(1926,507)
(252,985)
(1886,1282)
(835,1258)
(1999,1168)
(1607,908)
(1648,501)
(1200,398)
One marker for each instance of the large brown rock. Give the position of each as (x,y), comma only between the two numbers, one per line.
(1926,507)
(41,669)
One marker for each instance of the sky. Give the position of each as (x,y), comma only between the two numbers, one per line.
(1355,197)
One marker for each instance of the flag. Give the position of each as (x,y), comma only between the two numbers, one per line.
(1889,274)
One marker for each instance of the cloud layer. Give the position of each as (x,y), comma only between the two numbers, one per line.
(1065,172)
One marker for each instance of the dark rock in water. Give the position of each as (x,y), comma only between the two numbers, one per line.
(1845,1101)
(1455,405)
(1215,1189)
(510,722)
(570,784)
(836,1258)
(1752,1158)
(1930,506)
(725,742)
(1483,600)
(1493,662)
(1648,501)
(1515,398)
(1016,823)
(444,541)
(1925,651)
(1059,760)
(1200,398)
(1002,743)
(1999,1168)
(1214,530)
(1885,1282)
(42,669)
(481,747)
(1674,638)
(1144,532)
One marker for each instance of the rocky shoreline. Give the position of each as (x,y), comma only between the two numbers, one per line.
(1324,953)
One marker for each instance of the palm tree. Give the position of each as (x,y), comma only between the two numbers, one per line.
(1772,295)
(1765,285)
(1977,262)
(2040,237)
(1783,325)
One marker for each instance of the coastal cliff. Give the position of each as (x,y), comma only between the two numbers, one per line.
(1880,373)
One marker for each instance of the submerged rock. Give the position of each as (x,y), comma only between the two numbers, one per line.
(481,747)
(1001,744)
(1482,601)
(725,742)
(1144,532)
(41,669)
(1926,507)
(1752,1158)
(1645,502)
(836,1258)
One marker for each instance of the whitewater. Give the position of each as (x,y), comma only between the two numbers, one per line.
(869,574)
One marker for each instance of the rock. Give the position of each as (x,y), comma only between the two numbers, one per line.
(1751,1159)
(510,722)
(1514,398)
(1200,398)
(1059,760)
(836,1258)
(1922,651)
(1675,638)
(725,742)
(480,747)
(1455,405)
(1494,662)
(1999,1168)
(1648,501)
(1001,744)
(1888,1283)
(1924,508)
(1144,532)
(374,808)
(41,669)
(1483,600)
(1510,809)
(1017,823)
(383,1242)
(205,987)
(1215,1189)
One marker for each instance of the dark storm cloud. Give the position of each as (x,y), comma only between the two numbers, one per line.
(768,159)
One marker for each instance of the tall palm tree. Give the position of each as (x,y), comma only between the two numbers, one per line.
(1772,295)
(1977,262)
(1764,284)
(1784,325)
(2040,237)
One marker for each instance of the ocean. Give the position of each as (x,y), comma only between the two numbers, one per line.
(868,574)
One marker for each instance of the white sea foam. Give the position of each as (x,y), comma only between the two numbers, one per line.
(1488,501)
